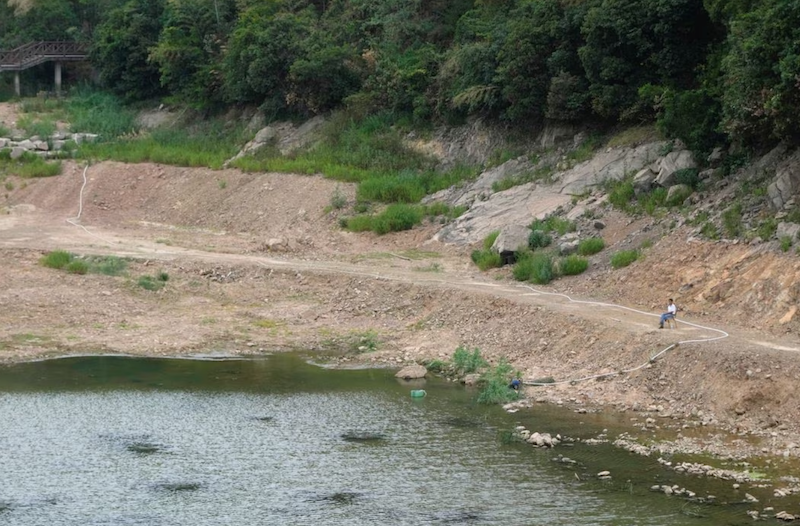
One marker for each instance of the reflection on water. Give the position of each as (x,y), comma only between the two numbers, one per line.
(119,441)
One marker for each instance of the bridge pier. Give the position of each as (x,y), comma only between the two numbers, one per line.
(16,84)
(58,79)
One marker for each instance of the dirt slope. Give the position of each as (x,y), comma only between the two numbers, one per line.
(257,263)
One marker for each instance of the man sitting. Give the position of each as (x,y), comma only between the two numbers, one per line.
(672,309)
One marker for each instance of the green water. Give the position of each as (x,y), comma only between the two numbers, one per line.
(276,441)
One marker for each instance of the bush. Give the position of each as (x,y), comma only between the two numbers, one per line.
(77,266)
(553,224)
(486,259)
(624,258)
(57,259)
(150,283)
(786,243)
(538,239)
(732,220)
(495,382)
(573,265)
(466,361)
(395,218)
(107,265)
(590,246)
(536,267)
(710,230)
(679,196)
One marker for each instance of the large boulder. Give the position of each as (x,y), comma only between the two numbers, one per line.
(465,195)
(672,163)
(789,230)
(511,239)
(412,372)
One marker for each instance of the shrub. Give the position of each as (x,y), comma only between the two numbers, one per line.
(573,265)
(396,218)
(652,200)
(338,199)
(77,266)
(590,246)
(732,220)
(768,228)
(150,283)
(538,239)
(688,176)
(624,258)
(466,361)
(534,266)
(553,224)
(486,259)
(709,230)
(57,259)
(621,195)
(495,382)
(786,243)
(107,265)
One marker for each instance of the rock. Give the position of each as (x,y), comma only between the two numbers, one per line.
(412,372)
(3,143)
(568,246)
(599,225)
(787,181)
(512,239)
(26,144)
(612,165)
(471,379)
(555,133)
(750,498)
(17,152)
(789,230)
(784,516)
(58,144)
(42,146)
(672,163)
(676,192)
(604,474)
(715,156)
(643,181)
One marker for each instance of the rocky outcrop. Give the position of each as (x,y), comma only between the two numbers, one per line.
(285,136)
(511,239)
(613,164)
(481,188)
(786,183)
(519,205)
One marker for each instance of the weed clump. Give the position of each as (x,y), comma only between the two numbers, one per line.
(590,246)
(536,267)
(573,265)
(57,259)
(494,384)
(624,258)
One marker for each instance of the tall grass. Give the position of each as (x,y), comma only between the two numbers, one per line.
(486,258)
(573,265)
(467,362)
(554,224)
(593,245)
(92,111)
(395,218)
(206,146)
(624,258)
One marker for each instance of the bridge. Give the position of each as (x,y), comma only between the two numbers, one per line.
(35,53)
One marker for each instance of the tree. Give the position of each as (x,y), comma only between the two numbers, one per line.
(121,47)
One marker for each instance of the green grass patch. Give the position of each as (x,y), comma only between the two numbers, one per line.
(486,259)
(394,218)
(621,194)
(634,135)
(99,112)
(555,224)
(77,266)
(732,220)
(28,166)
(767,228)
(488,241)
(153,283)
(540,174)
(573,265)
(710,230)
(5,131)
(57,259)
(44,127)
(593,245)
(786,243)
(623,258)
(536,267)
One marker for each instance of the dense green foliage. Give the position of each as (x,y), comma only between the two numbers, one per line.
(708,71)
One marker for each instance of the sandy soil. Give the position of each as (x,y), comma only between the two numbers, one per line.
(257,263)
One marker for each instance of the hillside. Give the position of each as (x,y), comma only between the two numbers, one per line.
(258,262)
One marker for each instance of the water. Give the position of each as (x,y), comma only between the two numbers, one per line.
(121,441)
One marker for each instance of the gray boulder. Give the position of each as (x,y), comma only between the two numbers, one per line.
(787,181)
(643,181)
(17,152)
(3,143)
(672,163)
(789,230)
(412,372)
(678,192)
(511,239)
